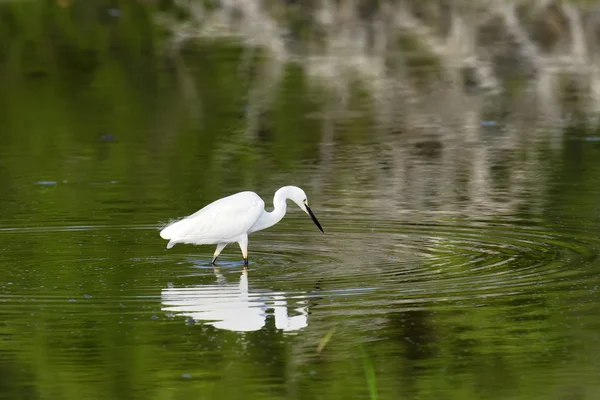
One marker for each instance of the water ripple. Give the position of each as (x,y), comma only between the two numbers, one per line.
(360,265)
(433,262)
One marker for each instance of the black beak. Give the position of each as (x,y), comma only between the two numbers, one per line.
(314,218)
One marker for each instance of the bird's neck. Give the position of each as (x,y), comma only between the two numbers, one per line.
(268,219)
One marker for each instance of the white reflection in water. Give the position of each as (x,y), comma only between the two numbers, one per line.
(235,308)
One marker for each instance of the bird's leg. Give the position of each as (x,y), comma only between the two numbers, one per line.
(218,250)
(244,247)
(220,278)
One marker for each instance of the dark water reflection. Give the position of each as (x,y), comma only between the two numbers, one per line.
(462,266)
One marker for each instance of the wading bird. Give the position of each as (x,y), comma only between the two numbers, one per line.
(232,218)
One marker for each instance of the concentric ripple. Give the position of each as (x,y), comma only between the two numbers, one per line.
(416,263)
(373,267)
(359,266)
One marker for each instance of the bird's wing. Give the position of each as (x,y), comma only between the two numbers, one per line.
(219,221)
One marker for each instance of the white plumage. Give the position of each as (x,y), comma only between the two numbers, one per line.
(223,220)
(232,218)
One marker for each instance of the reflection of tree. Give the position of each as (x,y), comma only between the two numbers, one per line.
(431,55)
(249,111)
(411,60)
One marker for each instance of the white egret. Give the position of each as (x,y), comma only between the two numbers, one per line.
(232,218)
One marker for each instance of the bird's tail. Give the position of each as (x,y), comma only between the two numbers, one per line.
(168,230)
(171,232)
(165,234)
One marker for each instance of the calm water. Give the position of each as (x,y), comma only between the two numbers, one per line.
(449,269)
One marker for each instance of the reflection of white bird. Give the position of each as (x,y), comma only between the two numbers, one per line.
(233,307)
(231,219)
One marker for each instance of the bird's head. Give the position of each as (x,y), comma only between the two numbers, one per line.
(298,196)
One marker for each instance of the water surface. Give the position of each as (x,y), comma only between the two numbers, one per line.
(454,268)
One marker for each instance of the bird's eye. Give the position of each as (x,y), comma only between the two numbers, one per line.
(304,201)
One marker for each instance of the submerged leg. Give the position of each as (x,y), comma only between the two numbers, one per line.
(218,251)
(244,247)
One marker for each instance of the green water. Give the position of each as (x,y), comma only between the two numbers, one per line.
(449,269)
